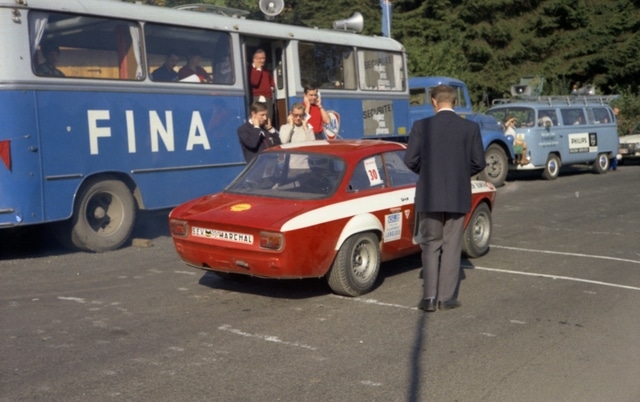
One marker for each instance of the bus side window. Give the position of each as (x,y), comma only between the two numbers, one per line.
(188,55)
(327,66)
(381,71)
(87,47)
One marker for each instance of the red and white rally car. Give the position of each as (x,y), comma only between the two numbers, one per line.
(316,209)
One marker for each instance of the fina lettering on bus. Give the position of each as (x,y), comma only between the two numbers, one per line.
(159,131)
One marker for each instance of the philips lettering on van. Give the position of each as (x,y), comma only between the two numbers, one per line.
(583,142)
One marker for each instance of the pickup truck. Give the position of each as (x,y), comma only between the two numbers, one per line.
(498,147)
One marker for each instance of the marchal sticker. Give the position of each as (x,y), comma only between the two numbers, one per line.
(222,235)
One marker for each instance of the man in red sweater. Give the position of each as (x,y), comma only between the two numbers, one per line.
(316,115)
(261,82)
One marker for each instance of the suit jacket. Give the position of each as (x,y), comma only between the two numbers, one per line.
(445,150)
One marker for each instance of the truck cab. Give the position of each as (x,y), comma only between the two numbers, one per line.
(498,147)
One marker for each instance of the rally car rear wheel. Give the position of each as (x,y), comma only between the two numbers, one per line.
(475,241)
(356,267)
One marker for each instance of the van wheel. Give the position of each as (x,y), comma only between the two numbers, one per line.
(601,165)
(552,167)
(103,216)
(476,237)
(497,166)
(356,266)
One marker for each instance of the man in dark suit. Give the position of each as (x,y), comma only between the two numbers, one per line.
(445,150)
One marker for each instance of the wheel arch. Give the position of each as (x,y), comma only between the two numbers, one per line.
(358,224)
(120,176)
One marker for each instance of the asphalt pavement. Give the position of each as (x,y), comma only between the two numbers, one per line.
(551,313)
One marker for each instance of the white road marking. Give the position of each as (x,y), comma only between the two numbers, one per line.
(373,301)
(269,338)
(566,278)
(75,299)
(602,257)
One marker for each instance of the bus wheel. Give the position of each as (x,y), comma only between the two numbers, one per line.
(497,166)
(601,165)
(356,266)
(551,168)
(103,215)
(475,240)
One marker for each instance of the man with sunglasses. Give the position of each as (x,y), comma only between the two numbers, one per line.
(296,129)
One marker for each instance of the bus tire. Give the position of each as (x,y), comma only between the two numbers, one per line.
(103,215)
(497,166)
(551,167)
(356,267)
(601,164)
(476,237)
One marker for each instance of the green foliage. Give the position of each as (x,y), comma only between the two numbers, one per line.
(629,105)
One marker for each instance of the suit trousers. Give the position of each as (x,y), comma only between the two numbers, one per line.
(441,244)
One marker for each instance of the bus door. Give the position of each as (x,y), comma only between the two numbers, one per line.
(279,76)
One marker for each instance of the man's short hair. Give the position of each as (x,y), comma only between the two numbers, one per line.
(258,107)
(444,93)
(310,87)
(297,106)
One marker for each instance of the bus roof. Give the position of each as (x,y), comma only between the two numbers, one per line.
(196,19)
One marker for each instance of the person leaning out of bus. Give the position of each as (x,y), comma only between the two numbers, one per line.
(257,134)
(192,68)
(316,115)
(166,71)
(51,53)
(519,145)
(261,80)
(297,128)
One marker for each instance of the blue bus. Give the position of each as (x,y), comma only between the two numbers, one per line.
(89,137)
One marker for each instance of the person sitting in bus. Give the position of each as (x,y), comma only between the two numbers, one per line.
(257,134)
(544,120)
(192,68)
(166,71)
(519,144)
(51,53)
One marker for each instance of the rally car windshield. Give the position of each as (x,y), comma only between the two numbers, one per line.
(290,175)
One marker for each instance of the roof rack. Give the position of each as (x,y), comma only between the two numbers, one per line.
(552,100)
(211,8)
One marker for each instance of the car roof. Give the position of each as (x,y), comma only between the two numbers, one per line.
(343,148)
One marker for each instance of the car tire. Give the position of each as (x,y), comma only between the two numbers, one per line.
(477,234)
(497,166)
(356,266)
(601,164)
(103,216)
(551,167)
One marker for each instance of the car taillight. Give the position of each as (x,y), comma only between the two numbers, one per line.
(271,241)
(178,228)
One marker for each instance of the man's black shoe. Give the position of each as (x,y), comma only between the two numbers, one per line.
(428,305)
(449,304)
